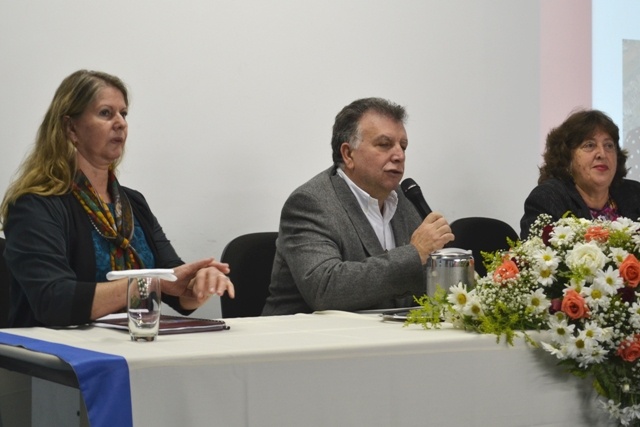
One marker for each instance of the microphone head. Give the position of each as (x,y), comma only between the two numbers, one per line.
(414,194)
(408,184)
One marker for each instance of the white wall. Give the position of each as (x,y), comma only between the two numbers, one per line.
(233,101)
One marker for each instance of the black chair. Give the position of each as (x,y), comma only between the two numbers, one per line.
(5,286)
(481,234)
(250,257)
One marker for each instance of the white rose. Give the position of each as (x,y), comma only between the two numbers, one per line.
(586,255)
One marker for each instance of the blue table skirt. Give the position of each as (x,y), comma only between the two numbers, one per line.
(103,379)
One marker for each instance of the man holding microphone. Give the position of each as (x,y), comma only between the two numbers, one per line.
(349,239)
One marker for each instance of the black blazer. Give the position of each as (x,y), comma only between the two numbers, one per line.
(50,255)
(555,197)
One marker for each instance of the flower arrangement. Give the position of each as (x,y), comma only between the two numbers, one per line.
(573,279)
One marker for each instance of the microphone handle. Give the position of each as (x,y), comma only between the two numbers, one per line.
(423,208)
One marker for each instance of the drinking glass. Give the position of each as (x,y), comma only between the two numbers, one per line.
(143,307)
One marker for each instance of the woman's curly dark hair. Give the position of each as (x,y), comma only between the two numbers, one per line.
(563,140)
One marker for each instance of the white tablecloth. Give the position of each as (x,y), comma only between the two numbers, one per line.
(338,369)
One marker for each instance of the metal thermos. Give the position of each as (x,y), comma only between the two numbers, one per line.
(448,267)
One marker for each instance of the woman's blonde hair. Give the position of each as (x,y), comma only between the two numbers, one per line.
(49,169)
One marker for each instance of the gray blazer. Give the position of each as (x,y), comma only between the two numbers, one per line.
(329,258)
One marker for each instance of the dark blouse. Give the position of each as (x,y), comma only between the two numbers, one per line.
(609,211)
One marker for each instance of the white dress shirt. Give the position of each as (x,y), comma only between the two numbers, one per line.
(380,221)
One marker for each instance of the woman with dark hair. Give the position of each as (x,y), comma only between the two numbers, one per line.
(68,221)
(583,173)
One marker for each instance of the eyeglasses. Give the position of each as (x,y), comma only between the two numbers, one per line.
(589,146)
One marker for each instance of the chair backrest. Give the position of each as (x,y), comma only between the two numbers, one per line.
(250,258)
(5,286)
(481,234)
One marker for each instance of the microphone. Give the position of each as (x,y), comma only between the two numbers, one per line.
(414,194)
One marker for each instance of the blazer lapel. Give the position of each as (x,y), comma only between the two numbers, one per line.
(358,219)
(399,225)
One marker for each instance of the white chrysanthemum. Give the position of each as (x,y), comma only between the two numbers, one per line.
(458,296)
(561,235)
(578,346)
(618,255)
(561,331)
(629,414)
(591,330)
(547,257)
(473,307)
(545,266)
(454,318)
(626,225)
(544,275)
(587,256)
(597,355)
(538,301)
(612,408)
(597,295)
(635,410)
(609,279)
(560,352)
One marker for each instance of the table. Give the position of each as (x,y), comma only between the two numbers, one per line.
(333,369)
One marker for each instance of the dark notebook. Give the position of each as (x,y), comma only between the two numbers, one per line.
(168,324)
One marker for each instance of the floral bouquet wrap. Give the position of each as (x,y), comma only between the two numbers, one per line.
(574,279)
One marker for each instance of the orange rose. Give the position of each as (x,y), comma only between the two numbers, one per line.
(630,350)
(630,270)
(507,270)
(573,305)
(596,233)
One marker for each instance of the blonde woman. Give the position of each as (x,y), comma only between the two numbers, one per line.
(68,221)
